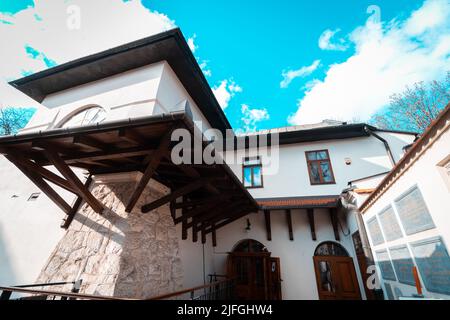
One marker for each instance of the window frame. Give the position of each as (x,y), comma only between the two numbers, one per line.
(251,166)
(308,165)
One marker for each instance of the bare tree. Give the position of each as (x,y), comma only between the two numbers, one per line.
(416,107)
(14,119)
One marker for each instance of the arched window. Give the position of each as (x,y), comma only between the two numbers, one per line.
(249,246)
(89,115)
(330,248)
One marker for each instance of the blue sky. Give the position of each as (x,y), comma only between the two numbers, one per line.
(247,48)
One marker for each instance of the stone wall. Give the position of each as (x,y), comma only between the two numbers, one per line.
(119,254)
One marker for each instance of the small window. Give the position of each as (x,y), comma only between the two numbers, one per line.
(34,196)
(91,115)
(252,173)
(319,167)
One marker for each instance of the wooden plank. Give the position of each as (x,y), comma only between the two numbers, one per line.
(174,195)
(312,226)
(132,137)
(334,223)
(268,224)
(195,203)
(45,173)
(216,215)
(191,172)
(44,187)
(213,235)
(68,220)
(149,171)
(90,142)
(173,212)
(184,229)
(203,233)
(238,215)
(217,203)
(289,223)
(65,170)
(194,231)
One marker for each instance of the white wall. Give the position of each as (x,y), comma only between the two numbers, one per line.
(29,230)
(425,174)
(296,257)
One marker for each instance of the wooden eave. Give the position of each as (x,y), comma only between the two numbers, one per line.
(141,145)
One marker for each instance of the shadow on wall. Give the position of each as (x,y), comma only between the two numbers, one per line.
(7,274)
(119,254)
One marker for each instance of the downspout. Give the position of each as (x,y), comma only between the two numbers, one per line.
(386,144)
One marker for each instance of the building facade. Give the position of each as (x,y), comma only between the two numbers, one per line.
(142,225)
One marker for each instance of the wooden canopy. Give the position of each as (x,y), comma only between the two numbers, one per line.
(203,197)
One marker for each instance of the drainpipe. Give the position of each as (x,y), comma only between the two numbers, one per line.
(386,144)
(349,203)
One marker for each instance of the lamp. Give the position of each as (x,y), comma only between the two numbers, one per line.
(249,226)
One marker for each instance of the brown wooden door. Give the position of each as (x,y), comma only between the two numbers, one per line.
(251,274)
(274,279)
(336,278)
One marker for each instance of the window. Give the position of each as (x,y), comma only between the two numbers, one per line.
(319,167)
(90,115)
(252,173)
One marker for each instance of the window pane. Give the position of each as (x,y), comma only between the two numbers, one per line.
(252,161)
(314,172)
(311,155)
(326,172)
(322,155)
(257,181)
(247,177)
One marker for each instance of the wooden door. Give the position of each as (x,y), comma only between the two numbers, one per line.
(336,278)
(250,272)
(274,279)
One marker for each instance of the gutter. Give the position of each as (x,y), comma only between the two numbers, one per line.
(386,144)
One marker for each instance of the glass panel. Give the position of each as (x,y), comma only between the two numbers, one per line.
(257,181)
(88,116)
(242,247)
(326,172)
(252,161)
(322,155)
(311,155)
(247,177)
(331,249)
(256,246)
(314,172)
(326,282)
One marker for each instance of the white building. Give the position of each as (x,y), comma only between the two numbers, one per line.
(146,226)
(407,217)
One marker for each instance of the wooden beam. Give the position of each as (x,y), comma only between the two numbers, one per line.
(203,233)
(312,226)
(193,173)
(289,223)
(44,187)
(173,212)
(334,222)
(216,215)
(194,231)
(90,142)
(216,204)
(149,171)
(65,170)
(133,137)
(195,203)
(184,229)
(213,235)
(268,224)
(108,155)
(68,220)
(45,173)
(175,194)
(238,215)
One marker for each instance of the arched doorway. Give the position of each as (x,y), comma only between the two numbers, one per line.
(335,273)
(257,274)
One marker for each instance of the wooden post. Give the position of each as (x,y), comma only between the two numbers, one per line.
(334,222)
(268,225)
(312,226)
(213,236)
(289,223)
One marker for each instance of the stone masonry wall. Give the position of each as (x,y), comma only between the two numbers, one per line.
(119,254)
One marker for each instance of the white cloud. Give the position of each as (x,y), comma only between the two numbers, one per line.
(325,41)
(225,91)
(290,75)
(191,43)
(387,58)
(251,117)
(204,66)
(44,28)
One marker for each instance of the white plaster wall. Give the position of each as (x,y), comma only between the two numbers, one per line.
(296,257)
(29,230)
(425,174)
(368,157)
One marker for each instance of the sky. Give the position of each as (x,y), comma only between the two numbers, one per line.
(269,63)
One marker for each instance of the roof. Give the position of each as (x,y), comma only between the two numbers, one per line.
(170,46)
(215,195)
(326,130)
(330,201)
(437,127)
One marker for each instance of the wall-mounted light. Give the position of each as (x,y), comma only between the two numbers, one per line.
(348,161)
(249,226)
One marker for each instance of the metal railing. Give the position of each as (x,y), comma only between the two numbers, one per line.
(220,290)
